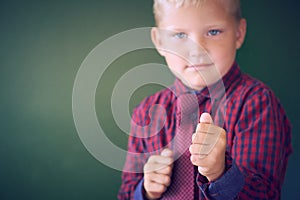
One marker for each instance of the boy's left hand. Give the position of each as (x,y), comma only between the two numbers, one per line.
(208,148)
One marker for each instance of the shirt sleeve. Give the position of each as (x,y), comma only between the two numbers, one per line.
(132,173)
(139,191)
(257,161)
(226,187)
(142,143)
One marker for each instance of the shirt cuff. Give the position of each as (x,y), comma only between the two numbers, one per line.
(226,187)
(139,191)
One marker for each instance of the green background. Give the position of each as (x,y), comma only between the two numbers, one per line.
(42,45)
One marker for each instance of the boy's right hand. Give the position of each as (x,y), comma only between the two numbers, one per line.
(157,174)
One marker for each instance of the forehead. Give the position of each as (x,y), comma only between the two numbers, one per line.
(163,8)
(207,13)
(179,3)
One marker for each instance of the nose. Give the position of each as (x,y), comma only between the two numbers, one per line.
(197,51)
(197,47)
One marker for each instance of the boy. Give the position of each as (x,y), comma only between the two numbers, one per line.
(240,147)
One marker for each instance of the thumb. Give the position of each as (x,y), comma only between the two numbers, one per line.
(206,118)
(167,153)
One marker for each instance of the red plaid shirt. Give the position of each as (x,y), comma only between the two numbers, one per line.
(258,137)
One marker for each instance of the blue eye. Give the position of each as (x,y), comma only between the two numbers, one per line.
(181,35)
(214,32)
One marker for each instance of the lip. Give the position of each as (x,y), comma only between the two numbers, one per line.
(201,66)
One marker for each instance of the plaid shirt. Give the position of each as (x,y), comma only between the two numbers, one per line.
(258,137)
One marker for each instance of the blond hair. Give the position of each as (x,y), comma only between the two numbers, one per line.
(233,6)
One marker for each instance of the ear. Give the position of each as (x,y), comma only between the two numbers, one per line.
(157,41)
(241,33)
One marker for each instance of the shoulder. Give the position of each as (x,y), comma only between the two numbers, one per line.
(249,88)
(252,100)
(250,96)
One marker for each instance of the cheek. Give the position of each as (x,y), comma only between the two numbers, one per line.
(223,53)
(223,59)
(173,60)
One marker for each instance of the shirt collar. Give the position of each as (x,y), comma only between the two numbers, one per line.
(214,91)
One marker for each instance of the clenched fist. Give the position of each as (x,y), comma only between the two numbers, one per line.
(157,174)
(208,148)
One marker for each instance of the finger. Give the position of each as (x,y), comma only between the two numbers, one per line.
(208,135)
(155,188)
(193,136)
(160,179)
(160,159)
(167,153)
(199,137)
(165,170)
(207,128)
(196,149)
(158,168)
(206,118)
(198,159)
(198,152)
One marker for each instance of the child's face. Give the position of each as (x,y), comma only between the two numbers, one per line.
(199,43)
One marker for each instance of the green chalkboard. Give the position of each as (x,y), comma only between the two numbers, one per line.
(42,46)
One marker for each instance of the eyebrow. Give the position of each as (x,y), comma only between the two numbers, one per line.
(209,25)
(173,28)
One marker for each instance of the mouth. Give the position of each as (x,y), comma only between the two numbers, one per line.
(200,66)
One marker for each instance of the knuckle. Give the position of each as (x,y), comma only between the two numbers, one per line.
(145,168)
(191,148)
(147,185)
(169,169)
(165,170)
(195,149)
(147,178)
(157,188)
(161,188)
(148,168)
(164,179)
(152,159)
(167,180)
(194,159)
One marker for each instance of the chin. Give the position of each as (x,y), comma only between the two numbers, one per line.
(197,86)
